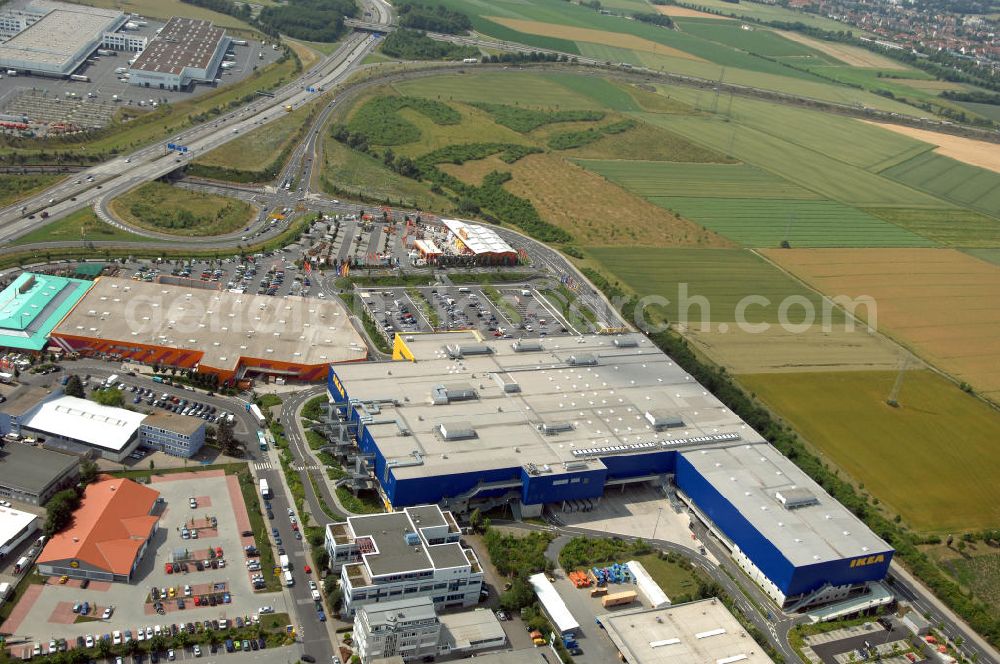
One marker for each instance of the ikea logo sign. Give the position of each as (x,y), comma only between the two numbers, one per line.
(868,560)
(338,386)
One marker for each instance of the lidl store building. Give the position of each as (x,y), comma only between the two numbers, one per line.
(477,423)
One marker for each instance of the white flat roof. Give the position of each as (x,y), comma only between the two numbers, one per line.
(554,605)
(106,427)
(12,522)
(478,239)
(57,37)
(702,632)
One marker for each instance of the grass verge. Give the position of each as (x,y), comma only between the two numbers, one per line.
(161,207)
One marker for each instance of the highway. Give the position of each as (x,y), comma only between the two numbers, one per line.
(112,178)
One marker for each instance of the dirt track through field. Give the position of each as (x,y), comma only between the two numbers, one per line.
(619,39)
(939,302)
(849,55)
(967,150)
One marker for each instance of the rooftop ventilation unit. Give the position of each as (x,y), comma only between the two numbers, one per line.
(527,346)
(456,351)
(626,342)
(552,428)
(793,498)
(456,430)
(507,383)
(661,419)
(444,394)
(583,360)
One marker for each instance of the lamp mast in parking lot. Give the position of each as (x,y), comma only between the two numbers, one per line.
(659,513)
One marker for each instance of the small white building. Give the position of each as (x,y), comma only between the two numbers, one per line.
(412,553)
(553,605)
(16,527)
(647,587)
(407,628)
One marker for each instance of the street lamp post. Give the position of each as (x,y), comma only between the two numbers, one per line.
(659,513)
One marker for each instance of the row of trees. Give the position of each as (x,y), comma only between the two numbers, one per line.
(432,18)
(407,44)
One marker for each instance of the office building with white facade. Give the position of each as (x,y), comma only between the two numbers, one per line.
(406,628)
(403,555)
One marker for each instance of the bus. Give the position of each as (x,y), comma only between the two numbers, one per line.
(265,490)
(261,439)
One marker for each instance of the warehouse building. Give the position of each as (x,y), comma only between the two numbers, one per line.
(702,632)
(15,528)
(108,536)
(79,426)
(411,553)
(33,305)
(231,335)
(32,475)
(187,51)
(527,424)
(59,40)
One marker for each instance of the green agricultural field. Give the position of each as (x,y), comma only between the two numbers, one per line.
(764,12)
(651,143)
(978,569)
(514,87)
(723,277)
(812,169)
(81,226)
(755,40)
(952,227)
(990,111)
(665,178)
(161,207)
(756,222)
(952,180)
(348,172)
(912,457)
(988,255)
(753,207)
(604,92)
(164,9)
(15,187)
(257,155)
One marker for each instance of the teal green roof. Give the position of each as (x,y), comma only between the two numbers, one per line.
(89,269)
(33,305)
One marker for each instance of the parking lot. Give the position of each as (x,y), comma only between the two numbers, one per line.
(504,312)
(93,103)
(54,610)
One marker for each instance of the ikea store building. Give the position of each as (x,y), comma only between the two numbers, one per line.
(466,423)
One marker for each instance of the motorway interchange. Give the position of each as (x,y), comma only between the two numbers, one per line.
(101,183)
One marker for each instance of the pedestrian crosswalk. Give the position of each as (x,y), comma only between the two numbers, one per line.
(268,465)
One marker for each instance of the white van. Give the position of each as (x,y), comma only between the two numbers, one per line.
(289,581)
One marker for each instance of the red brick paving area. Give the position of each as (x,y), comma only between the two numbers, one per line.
(239,509)
(193,475)
(63,614)
(21,609)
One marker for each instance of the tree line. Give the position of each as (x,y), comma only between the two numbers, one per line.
(432,18)
(407,44)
